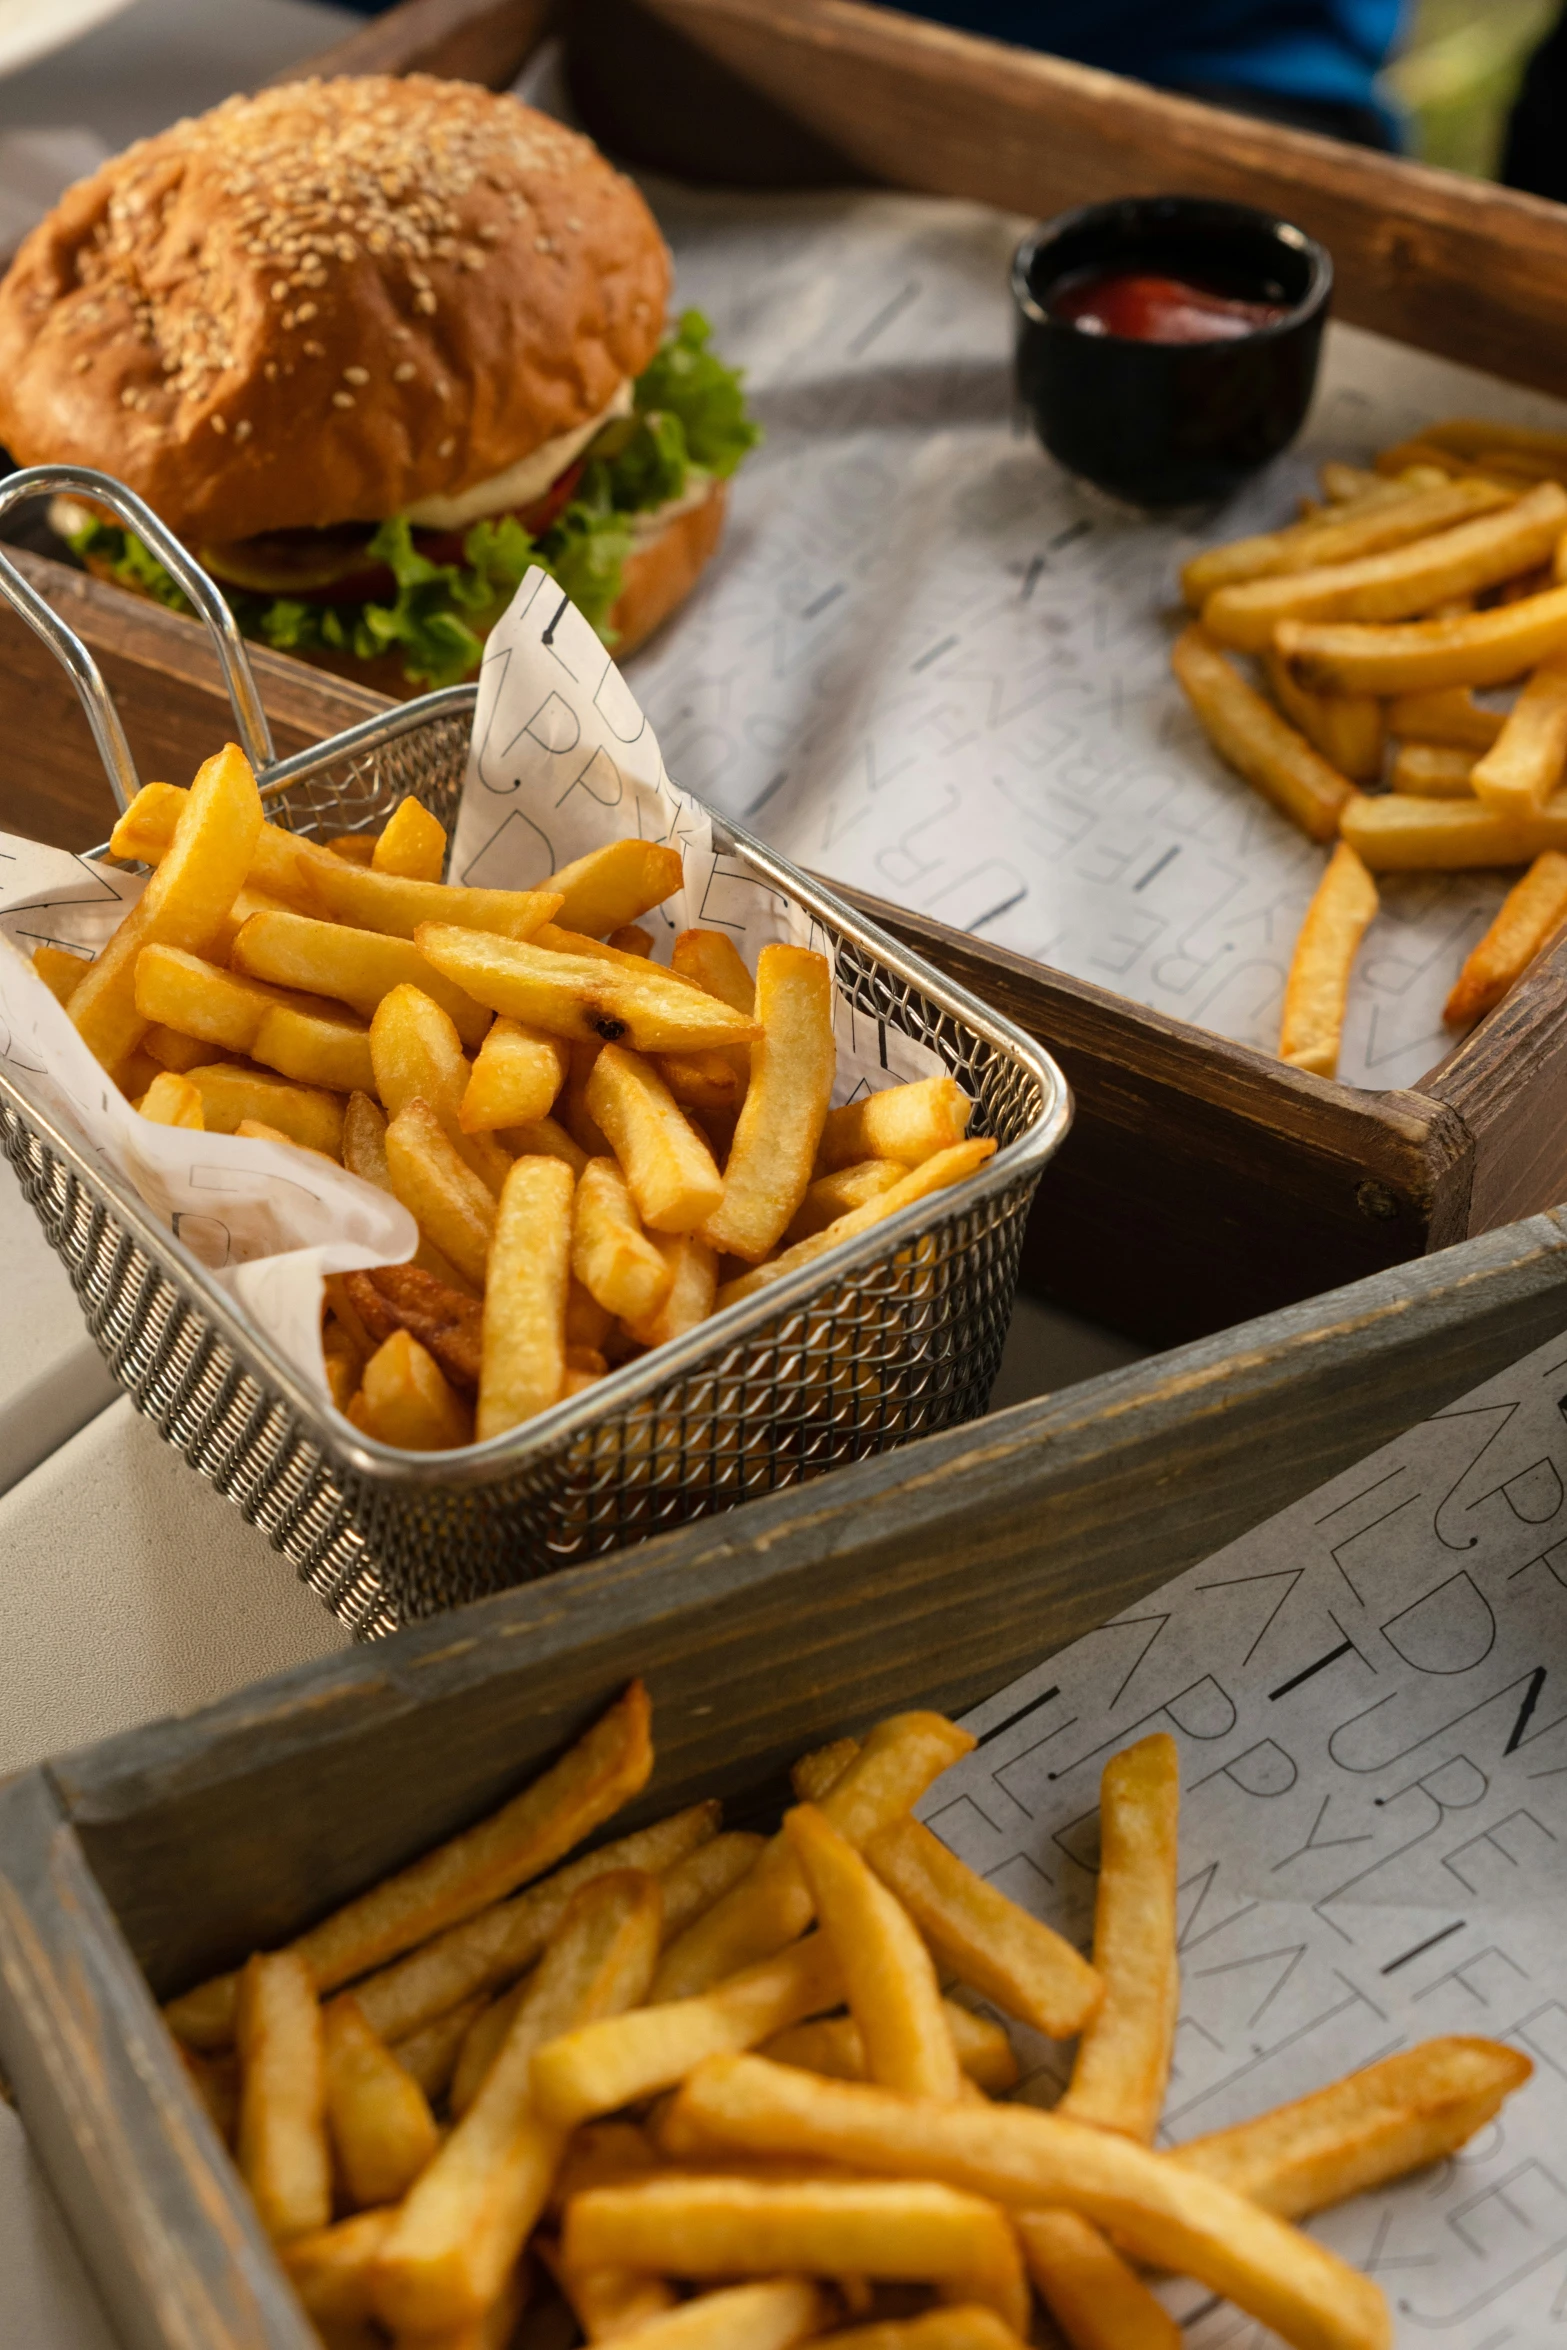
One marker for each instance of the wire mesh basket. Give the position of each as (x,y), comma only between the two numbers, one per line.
(892,1336)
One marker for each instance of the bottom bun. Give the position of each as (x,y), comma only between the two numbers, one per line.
(659,575)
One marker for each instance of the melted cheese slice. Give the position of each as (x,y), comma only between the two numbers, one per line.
(521,483)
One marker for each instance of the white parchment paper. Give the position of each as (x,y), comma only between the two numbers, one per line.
(1369,1694)
(926,663)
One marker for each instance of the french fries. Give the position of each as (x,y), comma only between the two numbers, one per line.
(1517,775)
(523,1366)
(610,887)
(405,1399)
(935,1174)
(669,1170)
(968,2326)
(1250,736)
(1400,834)
(793,1063)
(447,1200)
(282,2144)
(1123,2057)
(1420,656)
(1317,990)
(832,1196)
(906,1123)
(1392,519)
(382,2130)
(171,1100)
(1097,2300)
(832,2045)
(692,1267)
(359,968)
(230,1093)
(1529,917)
(445,1321)
(1348,729)
(611,1255)
(417,1056)
(1450,714)
(516,1077)
(768,2316)
(579,997)
(1433,771)
(410,844)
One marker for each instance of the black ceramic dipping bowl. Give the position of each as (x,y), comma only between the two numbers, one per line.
(1170,424)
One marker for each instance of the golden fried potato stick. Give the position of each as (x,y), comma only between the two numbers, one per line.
(986,1940)
(793,1063)
(604,2066)
(171,1050)
(590,999)
(612,1256)
(704,1082)
(604,1769)
(282,2143)
(444,1319)
(1250,736)
(485,2039)
(1450,714)
(331,2269)
(911,2231)
(1123,2059)
(1526,921)
(835,1195)
(1098,2301)
(1517,775)
(1360,2132)
(542,1138)
(1317,989)
(773,1906)
(171,1100)
(467,2218)
(1466,436)
(447,1200)
(359,968)
(832,2045)
(379,2119)
(411,843)
(948,1167)
(611,2303)
(1348,729)
(185,904)
(215,2080)
(1161,2212)
(1394,518)
(430,2052)
(496,2329)
(364,1155)
(669,1169)
(257,1130)
(1396,585)
(418,1057)
(516,1076)
(61,972)
(689,1298)
(406,1400)
(1401,834)
(817,1773)
(1433,771)
(523,1367)
(1420,656)
(610,887)
(889,1983)
(967,2326)
(908,1123)
(231,1093)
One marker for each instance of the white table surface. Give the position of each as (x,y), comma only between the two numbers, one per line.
(51,1380)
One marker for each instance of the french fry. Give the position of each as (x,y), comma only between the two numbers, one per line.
(1433,771)
(61,971)
(1397,585)
(485,2039)
(216,2082)
(282,2145)
(231,1093)
(364,1155)
(1097,2300)
(357,967)
(832,1196)
(304,1038)
(344,1361)
(446,1322)
(467,2217)
(1394,519)
(185,903)
(705,1082)
(816,1774)
(907,1123)
(573,1103)
(603,2066)
(1466,436)
(328,1048)
(773,1905)
(441,1192)
(1400,834)
(612,1257)
(173,1101)
(542,1138)
(1161,2212)
(710,960)
(688,1300)
(1123,2058)
(967,2326)
(516,1076)
(911,2230)
(610,887)
(429,2054)
(331,2269)
(1449,714)
(493,1947)
(257,1130)
(1250,736)
(889,1983)
(418,1057)
(1358,2133)
(411,844)
(1348,729)
(135,1074)
(173,1051)
(356,848)
(1317,989)
(379,2119)
(631,939)
(931,1175)
(693,1884)
(587,1322)
(405,1399)
(603,1770)
(524,1351)
(607,2302)
(1517,775)
(793,1063)
(987,1940)
(580,997)
(767,2316)
(669,1170)
(832,2045)
(1529,916)
(496,2329)
(1421,656)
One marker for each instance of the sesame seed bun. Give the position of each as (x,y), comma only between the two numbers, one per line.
(327,303)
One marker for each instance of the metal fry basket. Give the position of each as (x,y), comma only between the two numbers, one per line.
(890,1337)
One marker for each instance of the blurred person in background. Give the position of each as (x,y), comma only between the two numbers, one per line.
(1535,155)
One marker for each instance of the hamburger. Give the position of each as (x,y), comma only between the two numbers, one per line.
(371,347)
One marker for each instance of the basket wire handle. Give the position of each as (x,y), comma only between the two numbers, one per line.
(250,719)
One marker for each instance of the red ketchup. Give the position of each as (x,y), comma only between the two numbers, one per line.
(1144,307)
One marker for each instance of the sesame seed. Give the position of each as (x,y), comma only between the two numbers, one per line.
(446,447)
(219,424)
(242,430)
(342,399)
(305,310)
(128,398)
(315,350)
(280,289)
(425,302)
(83,361)
(356,375)
(403,373)
(442,387)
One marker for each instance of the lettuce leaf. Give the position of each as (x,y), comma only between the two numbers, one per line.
(689,423)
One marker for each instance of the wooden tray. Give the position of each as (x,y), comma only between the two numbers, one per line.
(954,1567)
(1204,1182)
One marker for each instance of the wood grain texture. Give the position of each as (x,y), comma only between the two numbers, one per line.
(1503,1082)
(1449,264)
(462,40)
